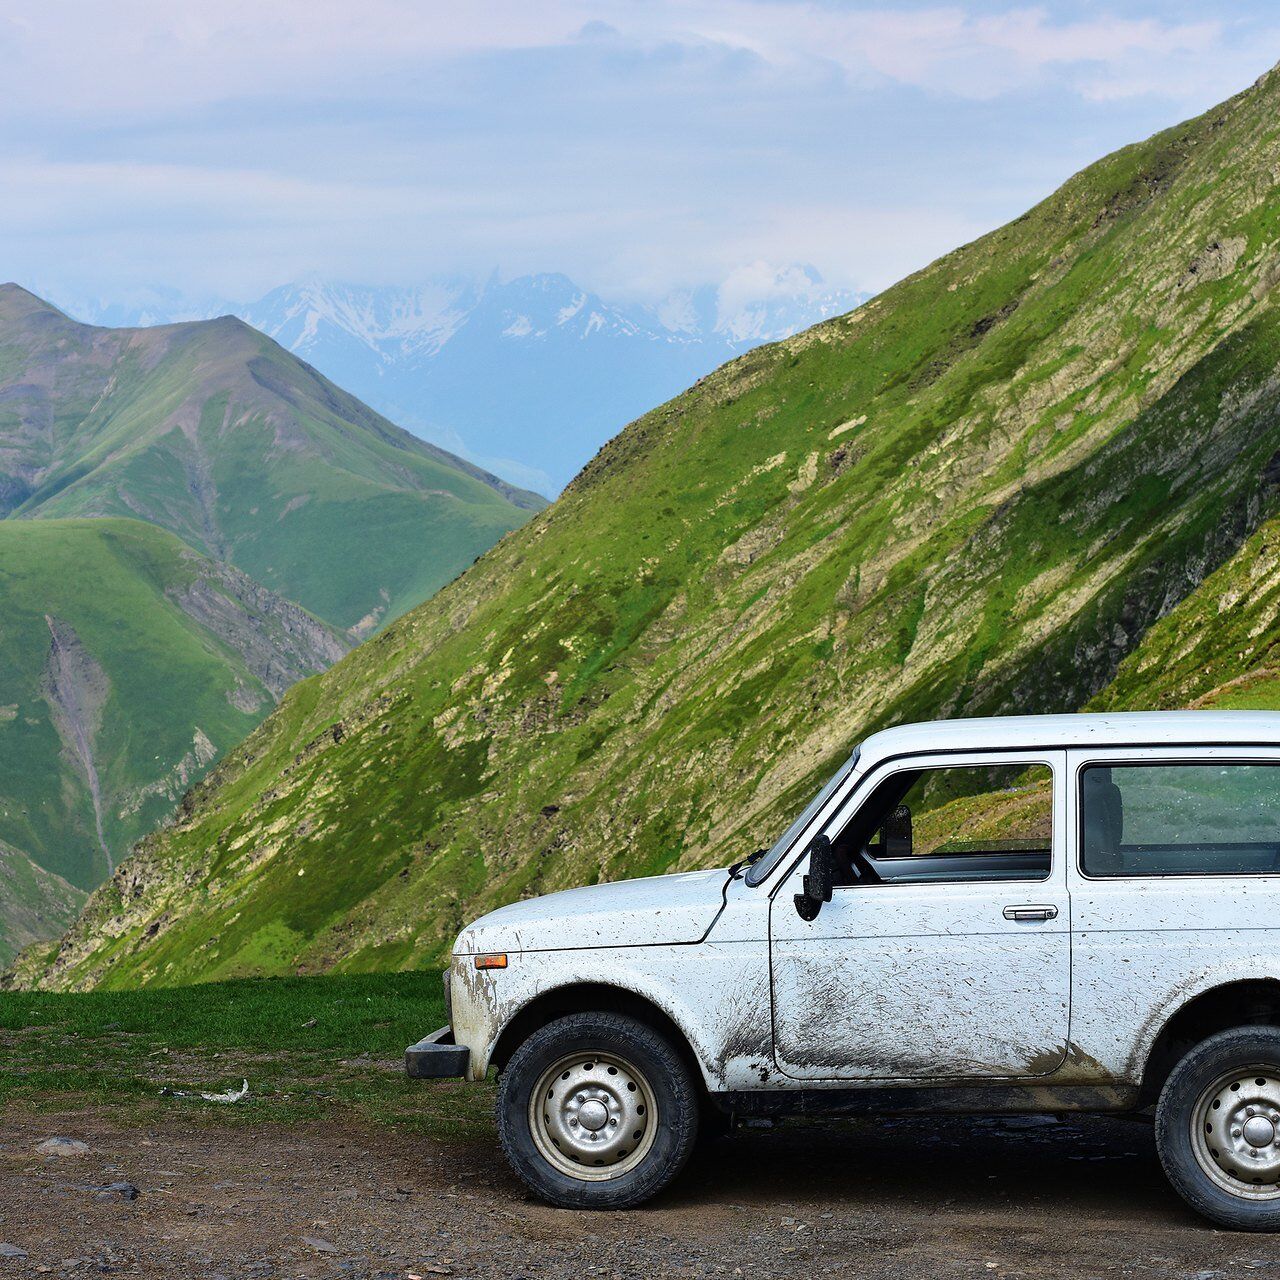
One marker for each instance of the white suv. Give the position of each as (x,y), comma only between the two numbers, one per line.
(1041,913)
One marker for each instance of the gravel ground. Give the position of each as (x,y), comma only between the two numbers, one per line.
(907,1198)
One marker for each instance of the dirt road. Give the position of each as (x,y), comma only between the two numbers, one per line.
(899,1199)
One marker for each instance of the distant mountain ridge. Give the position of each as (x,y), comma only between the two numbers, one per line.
(528,377)
(250,521)
(213,431)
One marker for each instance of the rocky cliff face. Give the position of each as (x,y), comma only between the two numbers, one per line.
(977,493)
(278,641)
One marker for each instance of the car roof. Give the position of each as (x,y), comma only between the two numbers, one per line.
(1121,728)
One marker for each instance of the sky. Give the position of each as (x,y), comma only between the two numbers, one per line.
(639,146)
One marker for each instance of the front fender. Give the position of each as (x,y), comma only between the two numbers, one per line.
(713,996)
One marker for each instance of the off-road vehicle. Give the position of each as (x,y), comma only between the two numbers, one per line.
(1029,914)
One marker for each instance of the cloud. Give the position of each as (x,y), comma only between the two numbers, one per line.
(960,51)
(640,146)
(140,55)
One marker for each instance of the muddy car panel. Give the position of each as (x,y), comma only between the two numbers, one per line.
(927,980)
(723,1015)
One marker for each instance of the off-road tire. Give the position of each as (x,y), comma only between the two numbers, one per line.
(1249,1052)
(667,1078)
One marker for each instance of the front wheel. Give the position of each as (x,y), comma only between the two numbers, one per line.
(597,1111)
(1218,1128)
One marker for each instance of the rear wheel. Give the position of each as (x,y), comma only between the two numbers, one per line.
(598,1111)
(1218,1128)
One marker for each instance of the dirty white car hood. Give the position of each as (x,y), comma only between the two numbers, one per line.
(649,912)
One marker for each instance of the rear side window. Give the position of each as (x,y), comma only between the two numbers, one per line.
(1180,819)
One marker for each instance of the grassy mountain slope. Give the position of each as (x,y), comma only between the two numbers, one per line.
(214,432)
(128,662)
(35,905)
(973,494)
(1220,647)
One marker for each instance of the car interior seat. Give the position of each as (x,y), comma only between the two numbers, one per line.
(1103,823)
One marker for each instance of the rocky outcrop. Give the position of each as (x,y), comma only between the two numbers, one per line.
(278,641)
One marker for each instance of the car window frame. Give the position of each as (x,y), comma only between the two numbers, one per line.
(1267,755)
(865,783)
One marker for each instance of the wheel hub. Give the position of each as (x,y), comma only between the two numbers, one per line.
(592,1116)
(1259,1131)
(1236,1131)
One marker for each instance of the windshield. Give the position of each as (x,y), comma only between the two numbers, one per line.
(770,860)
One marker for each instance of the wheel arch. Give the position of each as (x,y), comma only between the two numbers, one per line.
(586,997)
(1245,1001)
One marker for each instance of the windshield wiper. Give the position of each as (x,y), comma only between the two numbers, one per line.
(750,860)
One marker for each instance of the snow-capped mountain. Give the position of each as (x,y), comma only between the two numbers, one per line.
(395,323)
(756,304)
(527,377)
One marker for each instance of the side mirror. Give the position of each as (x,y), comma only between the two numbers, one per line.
(897,833)
(819,880)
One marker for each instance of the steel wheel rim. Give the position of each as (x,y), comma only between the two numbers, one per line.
(593,1116)
(1235,1132)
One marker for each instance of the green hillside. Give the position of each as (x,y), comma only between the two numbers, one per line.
(1220,647)
(974,494)
(128,663)
(217,434)
(35,905)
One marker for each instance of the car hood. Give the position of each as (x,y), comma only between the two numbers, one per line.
(657,910)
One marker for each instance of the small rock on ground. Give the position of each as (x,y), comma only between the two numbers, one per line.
(62,1147)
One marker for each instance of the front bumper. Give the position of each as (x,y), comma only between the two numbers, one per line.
(436,1057)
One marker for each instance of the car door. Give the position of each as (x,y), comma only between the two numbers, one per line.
(1175,886)
(956,963)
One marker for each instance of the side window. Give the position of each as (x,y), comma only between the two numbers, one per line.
(1180,819)
(957,823)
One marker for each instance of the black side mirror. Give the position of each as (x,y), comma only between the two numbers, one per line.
(897,833)
(819,881)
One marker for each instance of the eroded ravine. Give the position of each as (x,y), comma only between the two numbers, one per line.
(76,689)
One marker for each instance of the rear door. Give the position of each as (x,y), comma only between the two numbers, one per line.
(1175,889)
(956,962)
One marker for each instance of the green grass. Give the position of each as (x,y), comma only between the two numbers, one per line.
(1053,434)
(310,1048)
(376,1014)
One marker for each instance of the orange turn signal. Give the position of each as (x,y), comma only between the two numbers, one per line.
(498,960)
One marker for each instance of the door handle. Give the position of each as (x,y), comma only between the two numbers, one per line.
(1031,913)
